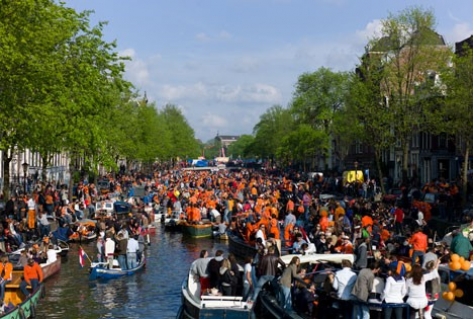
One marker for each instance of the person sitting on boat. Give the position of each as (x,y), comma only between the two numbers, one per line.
(346,246)
(261,233)
(296,248)
(32,276)
(52,254)
(6,270)
(305,299)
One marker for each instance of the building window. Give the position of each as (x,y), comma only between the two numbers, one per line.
(443,141)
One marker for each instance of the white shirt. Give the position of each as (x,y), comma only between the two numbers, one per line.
(109,246)
(417,293)
(394,290)
(344,280)
(260,234)
(31,204)
(132,245)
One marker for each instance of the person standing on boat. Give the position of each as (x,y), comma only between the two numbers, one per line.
(213,269)
(361,290)
(343,281)
(247,281)
(132,249)
(122,251)
(109,251)
(6,270)
(268,269)
(199,270)
(289,274)
(32,276)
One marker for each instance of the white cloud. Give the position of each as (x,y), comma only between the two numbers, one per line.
(202,37)
(372,30)
(213,120)
(137,70)
(459,32)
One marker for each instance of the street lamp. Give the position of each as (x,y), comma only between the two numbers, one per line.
(25,170)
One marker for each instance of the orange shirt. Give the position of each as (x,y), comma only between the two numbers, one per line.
(8,270)
(32,272)
(419,241)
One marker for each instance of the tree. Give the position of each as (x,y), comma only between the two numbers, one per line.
(456,113)
(242,148)
(317,98)
(410,49)
(183,142)
(273,125)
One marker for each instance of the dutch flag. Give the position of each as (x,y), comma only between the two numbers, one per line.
(82,256)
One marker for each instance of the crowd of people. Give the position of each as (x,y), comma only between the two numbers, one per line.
(275,211)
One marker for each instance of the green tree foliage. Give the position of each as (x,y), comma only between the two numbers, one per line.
(303,143)
(273,125)
(407,49)
(242,148)
(183,142)
(456,113)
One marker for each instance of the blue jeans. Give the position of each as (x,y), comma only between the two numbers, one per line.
(2,289)
(122,260)
(132,260)
(417,253)
(285,297)
(45,230)
(260,283)
(360,311)
(34,286)
(246,291)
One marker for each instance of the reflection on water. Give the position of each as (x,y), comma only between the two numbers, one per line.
(152,293)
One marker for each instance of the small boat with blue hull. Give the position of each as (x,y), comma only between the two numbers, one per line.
(210,304)
(101,270)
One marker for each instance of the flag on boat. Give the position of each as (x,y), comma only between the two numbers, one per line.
(82,256)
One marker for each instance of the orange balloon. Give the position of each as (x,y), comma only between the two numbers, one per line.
(445,295)
(461,259)
(454,257)
(455,265)
(450,296)
(458,293)
(452,286)
(466,265)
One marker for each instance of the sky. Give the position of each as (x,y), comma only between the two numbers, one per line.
(224,63)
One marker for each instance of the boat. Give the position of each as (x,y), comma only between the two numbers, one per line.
(84,232)
(200,230)
(460,307)
(49,268)
(210,304)
(317,266)
(239,247)
(23,308)
(100,270)
(172,222)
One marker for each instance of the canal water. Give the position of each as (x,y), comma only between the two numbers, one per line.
(152,293)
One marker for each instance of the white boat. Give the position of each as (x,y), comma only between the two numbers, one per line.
(460,307)
(318,258)
(197,305)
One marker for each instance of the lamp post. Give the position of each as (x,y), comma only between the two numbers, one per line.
(25,170)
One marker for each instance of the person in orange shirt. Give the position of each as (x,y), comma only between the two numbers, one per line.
(6,270)
(32,276)
(346,246)
(274,229)
(419,241)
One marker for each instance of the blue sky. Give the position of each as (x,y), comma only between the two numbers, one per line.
(225,62)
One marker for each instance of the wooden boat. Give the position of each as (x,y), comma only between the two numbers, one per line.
(100,270)
(203,230)
(23,307)
(49,268)
(85,232)
(207,305)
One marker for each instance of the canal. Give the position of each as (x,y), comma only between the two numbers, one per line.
(153,293)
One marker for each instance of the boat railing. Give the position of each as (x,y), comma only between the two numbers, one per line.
(221,298)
